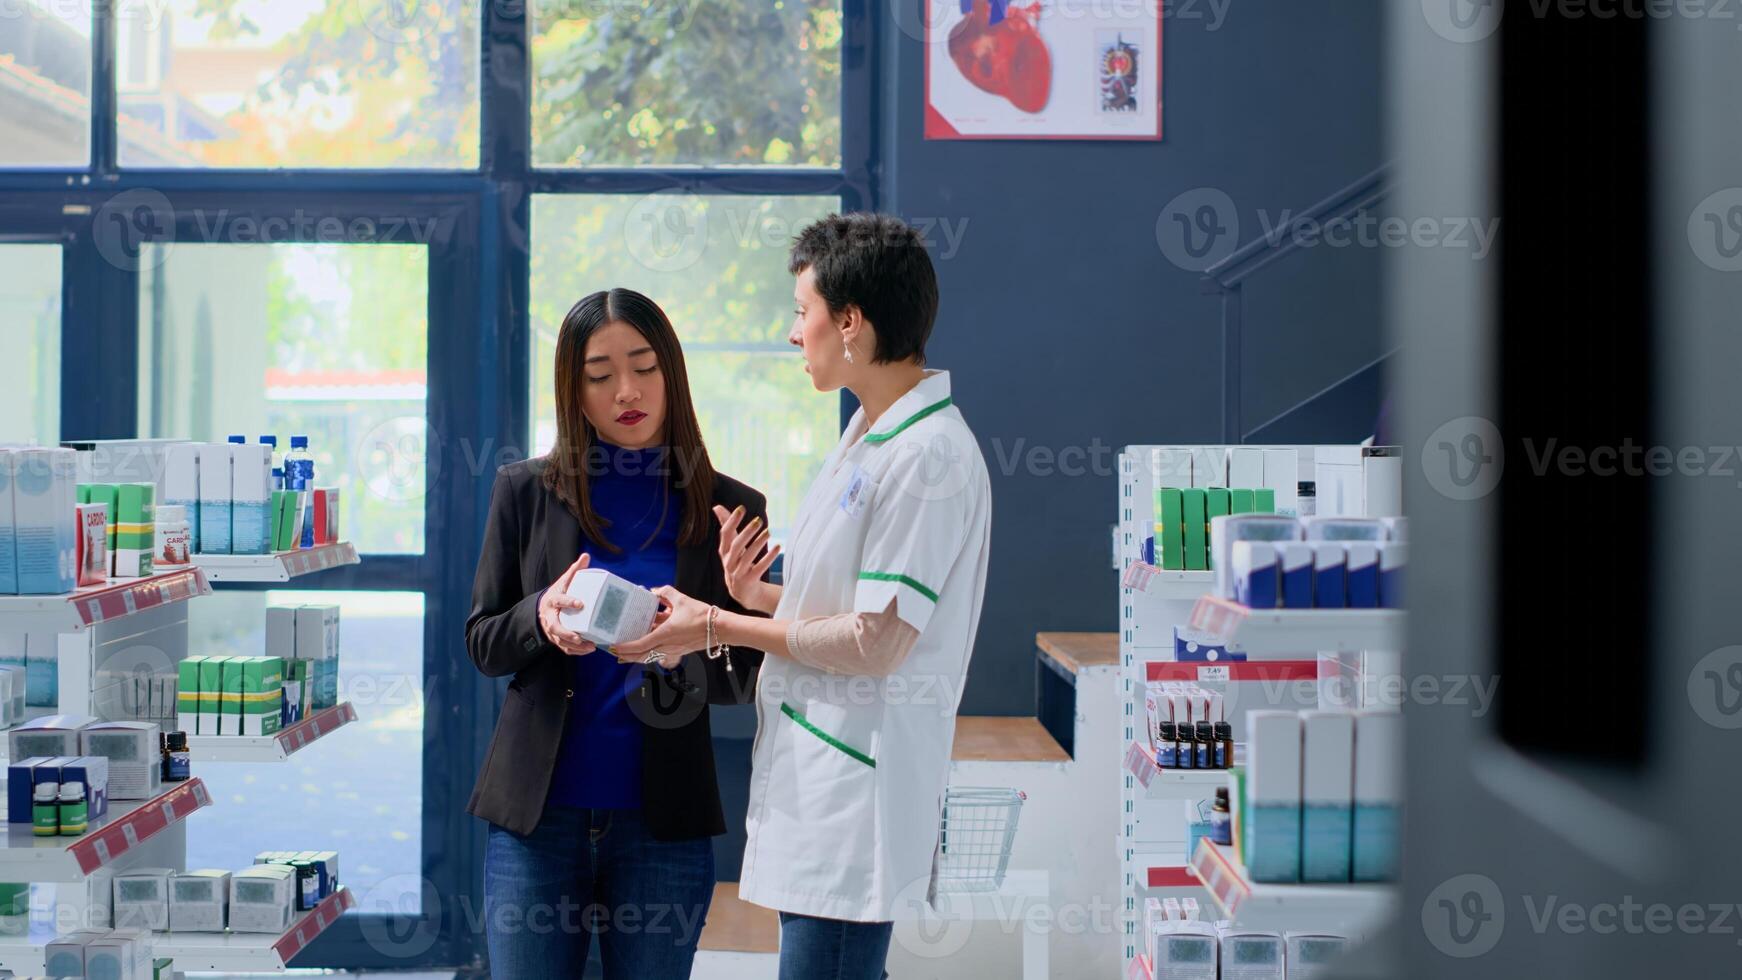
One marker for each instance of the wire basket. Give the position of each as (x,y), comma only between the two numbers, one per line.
(979,827)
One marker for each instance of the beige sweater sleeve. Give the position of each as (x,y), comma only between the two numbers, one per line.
(872,644)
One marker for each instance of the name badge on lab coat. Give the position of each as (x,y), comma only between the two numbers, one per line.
(857,495)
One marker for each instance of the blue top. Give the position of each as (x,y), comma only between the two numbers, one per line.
(599,762)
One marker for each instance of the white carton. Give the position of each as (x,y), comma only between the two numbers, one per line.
(215,499)
(250,491)
(181,485)
(1327,794)
(262,898)
(617,610)
(199,901)
(1282,475)
(44,509)
(142,899)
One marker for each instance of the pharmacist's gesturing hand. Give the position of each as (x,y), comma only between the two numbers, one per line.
(740,543)
(556,601)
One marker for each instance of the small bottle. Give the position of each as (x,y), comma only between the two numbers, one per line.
(177,761)
(1224,745)
(45,810)
(299,475)
(239,440)
(1306,498)
(75,812)
(1185,753)
(1164,757)
(308,885)
(174,535)
(1221,828)
(1206,742)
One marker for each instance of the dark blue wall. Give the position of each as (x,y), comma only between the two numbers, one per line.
(1063,323)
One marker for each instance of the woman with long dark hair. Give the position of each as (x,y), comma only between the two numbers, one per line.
(599,785)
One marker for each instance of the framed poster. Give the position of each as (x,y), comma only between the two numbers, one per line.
(1043,69)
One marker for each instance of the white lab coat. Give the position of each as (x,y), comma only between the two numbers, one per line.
(849,770)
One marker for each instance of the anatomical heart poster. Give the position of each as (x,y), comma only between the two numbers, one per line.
(1043,69)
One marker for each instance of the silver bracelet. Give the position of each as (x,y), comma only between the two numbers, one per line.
(716,652)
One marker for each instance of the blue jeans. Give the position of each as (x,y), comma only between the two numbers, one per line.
(829,949)
(583,873)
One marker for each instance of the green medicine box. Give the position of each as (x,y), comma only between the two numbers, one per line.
(211,695)
(1169,540)
(262,695)
(230,696)
(1194,527)
(1264,500)
(134,532)
(187,694)
(1215,505)
(105,493)
(1240,501)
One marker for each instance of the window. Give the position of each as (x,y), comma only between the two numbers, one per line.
(359,791)
(298,83)
(45,84)
(30,336)
(706,82)
(328,341)
(717,266)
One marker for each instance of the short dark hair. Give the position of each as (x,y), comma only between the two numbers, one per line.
(878,263)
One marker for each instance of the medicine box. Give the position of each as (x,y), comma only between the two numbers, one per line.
(1251,955)
(1282,478)
(1327,794)
(1310,954)
(1245,467)
(1193,517)
(230,696)
(123,954)
(135,529)
(199,901)
(64,956)
(251,493)
(211,695)
(8,552)
(187,694)
(181,485)
(134,756)
(1256,574)
(616,610)
(107,494)
(1363,574)
(262,695)
(1295,563)
(142,899)
(1330,575)
(20,785)
(1169,537)
(92,526)
(1393,555)
(44,502)
(215,500)
(1378,794)
(1273,785)
(51,736)
(91,771)
(262,898)
(1224,531)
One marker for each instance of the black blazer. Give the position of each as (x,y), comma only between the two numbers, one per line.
(529,539)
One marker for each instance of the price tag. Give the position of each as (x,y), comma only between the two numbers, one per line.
(202,797)
(131,834)
(128,601)
(168,809)
(1213,673)
(1138,576)
(93,611)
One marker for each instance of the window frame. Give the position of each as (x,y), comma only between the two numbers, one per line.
(479,371)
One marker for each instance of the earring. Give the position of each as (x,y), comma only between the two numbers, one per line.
(848,349)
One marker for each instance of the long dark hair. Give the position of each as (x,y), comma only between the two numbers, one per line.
(569,463)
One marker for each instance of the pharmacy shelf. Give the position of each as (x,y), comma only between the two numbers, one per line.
(1171,784)
(227,952)
(275,747)
(129,823)
(1340,910)
(278,567)
(1167,583)
(1288,633)
(249,952)
(74,612)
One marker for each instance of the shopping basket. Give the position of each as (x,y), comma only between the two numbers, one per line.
(979,827)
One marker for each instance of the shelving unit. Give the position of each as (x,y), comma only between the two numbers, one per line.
(1337,909)
(275,747)
(129,823)
(84,627)
(278,567)
(1284,649)
(226,952)
(98,604)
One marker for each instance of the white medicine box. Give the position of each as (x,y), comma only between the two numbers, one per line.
(199,901)
(262,898)
(616,610)
(142,899)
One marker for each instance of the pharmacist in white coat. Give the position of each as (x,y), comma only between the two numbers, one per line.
(870,635)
